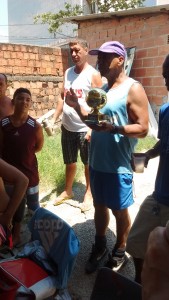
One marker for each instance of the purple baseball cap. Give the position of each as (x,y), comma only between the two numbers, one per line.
(110,47)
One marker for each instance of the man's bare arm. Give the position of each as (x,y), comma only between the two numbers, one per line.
(39,137)
(137,107)
(72,100)
(19,182)
(96,80)
(59,107)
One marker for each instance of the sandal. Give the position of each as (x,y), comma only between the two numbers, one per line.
(60,199)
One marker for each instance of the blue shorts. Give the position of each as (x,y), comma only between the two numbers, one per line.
(111,190)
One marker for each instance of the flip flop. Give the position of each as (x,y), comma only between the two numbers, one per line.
(85,207)
(59,200)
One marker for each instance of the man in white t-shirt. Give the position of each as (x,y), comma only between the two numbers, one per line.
(75,134)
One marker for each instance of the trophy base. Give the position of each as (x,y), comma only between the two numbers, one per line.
(96,119)
(92,122)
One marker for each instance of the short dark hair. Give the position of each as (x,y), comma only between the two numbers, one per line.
(21,90)
(165,71)
(5,77)
(79,41)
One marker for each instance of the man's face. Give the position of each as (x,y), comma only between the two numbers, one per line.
(166,75)
(78,54)
(167,82)
(165,71)
(3,86)
(107,63)
(22,102)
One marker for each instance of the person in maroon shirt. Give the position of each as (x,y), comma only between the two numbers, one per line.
(21,137)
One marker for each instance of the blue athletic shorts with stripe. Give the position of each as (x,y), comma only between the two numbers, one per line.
(111,190)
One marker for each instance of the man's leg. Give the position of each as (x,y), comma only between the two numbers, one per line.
(88,200)
(70,152)
(138,263)
(99,249)
(84,154)
(17,222)
(4,197)
(148,217)
(101,219)
(70,175)
(123,224)
(70,172)
(32,199)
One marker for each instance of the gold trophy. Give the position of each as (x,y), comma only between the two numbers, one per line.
(96,99)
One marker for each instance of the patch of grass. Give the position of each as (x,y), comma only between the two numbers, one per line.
(51,165)
(145,144)
(52,168)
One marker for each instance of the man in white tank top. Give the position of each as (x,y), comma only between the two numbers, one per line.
(75,134)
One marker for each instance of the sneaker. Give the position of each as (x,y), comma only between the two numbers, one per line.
(115,262)
(95,259)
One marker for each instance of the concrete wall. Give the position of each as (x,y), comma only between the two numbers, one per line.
(149,33)
(39,69)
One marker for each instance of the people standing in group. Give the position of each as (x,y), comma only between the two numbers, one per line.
(9,205)
(155,209)
(111,147)
(21,136)
(75,134)
(6,106)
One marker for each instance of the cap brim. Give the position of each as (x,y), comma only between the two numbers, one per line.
(94,52)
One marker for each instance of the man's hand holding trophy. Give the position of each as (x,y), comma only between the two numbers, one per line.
(95,99)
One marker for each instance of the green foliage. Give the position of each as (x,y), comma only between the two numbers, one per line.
(51,166)
(145,144)
(57,19)
(50,163)
(106,5)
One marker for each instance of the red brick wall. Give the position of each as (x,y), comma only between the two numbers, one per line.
(39,69)
(149,33)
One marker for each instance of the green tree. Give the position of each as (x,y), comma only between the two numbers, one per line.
(55,20)
(106,5)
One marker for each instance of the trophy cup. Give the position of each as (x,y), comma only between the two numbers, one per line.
(96,99)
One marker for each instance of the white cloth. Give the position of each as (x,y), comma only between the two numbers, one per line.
(81,83)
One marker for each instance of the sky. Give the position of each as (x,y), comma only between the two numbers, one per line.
(21,21)
(3,21)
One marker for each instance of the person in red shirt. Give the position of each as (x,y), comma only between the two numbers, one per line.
(21,136)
